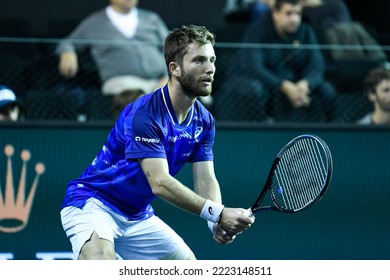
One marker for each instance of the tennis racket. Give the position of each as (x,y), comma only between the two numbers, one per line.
(299,176)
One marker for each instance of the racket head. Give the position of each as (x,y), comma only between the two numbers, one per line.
(302,174)
(299,176)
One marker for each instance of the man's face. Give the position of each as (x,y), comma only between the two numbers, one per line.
(288,19)
(123,6)
(197,70)
(381,97)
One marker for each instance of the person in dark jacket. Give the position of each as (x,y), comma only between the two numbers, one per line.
(323,14)
(284,69)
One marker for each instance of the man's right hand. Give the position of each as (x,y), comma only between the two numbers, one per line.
(298,96)
(68,65)
(221,236)
(234,221)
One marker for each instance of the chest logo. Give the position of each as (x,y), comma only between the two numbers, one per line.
(198,131)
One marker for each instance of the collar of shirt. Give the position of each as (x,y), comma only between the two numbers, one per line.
(171,111)
(125,23)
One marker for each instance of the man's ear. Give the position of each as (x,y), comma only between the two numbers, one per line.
(174,69)
(372,96)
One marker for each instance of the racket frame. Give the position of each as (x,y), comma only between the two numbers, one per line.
(255,209)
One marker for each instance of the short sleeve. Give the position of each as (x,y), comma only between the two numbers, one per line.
(144,138)
(204,151)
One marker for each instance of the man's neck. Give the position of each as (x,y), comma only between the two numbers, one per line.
(181,103)
(121,10)
(380,117)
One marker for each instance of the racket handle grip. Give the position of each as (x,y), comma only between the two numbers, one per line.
(248,213)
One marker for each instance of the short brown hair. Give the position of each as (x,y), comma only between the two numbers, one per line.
(279,3)
(374,77)
(176,43)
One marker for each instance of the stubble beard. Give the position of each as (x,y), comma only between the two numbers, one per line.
(384,106)
(193,88)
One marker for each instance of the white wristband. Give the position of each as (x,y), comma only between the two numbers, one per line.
(211,211)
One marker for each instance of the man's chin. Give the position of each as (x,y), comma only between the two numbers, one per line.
(291,31)
(206,91)
(204,94)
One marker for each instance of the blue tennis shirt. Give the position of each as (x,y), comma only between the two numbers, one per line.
(146,128)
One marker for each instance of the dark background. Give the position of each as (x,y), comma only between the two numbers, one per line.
(48,18)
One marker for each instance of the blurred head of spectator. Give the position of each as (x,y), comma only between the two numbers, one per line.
(287,16)
(377,88)
(243,11)
(124,90)
(123,6)
(121,100)
(9,108)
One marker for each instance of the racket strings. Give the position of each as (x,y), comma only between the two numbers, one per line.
(300,175)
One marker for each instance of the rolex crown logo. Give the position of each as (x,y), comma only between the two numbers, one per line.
(15,210)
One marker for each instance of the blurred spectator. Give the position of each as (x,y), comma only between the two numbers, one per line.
(283,81)
(9,107)
(124,41)
(124,98)
(241,11)
(322,14)
(333,25)
(377,88)
(350,52)
(127,91)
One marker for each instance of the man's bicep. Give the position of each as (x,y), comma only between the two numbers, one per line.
(155,169)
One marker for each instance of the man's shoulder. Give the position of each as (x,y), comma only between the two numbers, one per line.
(203,113)
(147,13)
(260,30)
(97,15)
(306,28)
(367,119)
(147,105)
(151,19)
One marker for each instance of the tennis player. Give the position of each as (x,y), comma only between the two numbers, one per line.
(107,211)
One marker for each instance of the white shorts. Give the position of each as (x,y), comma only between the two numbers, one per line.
(149,239)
